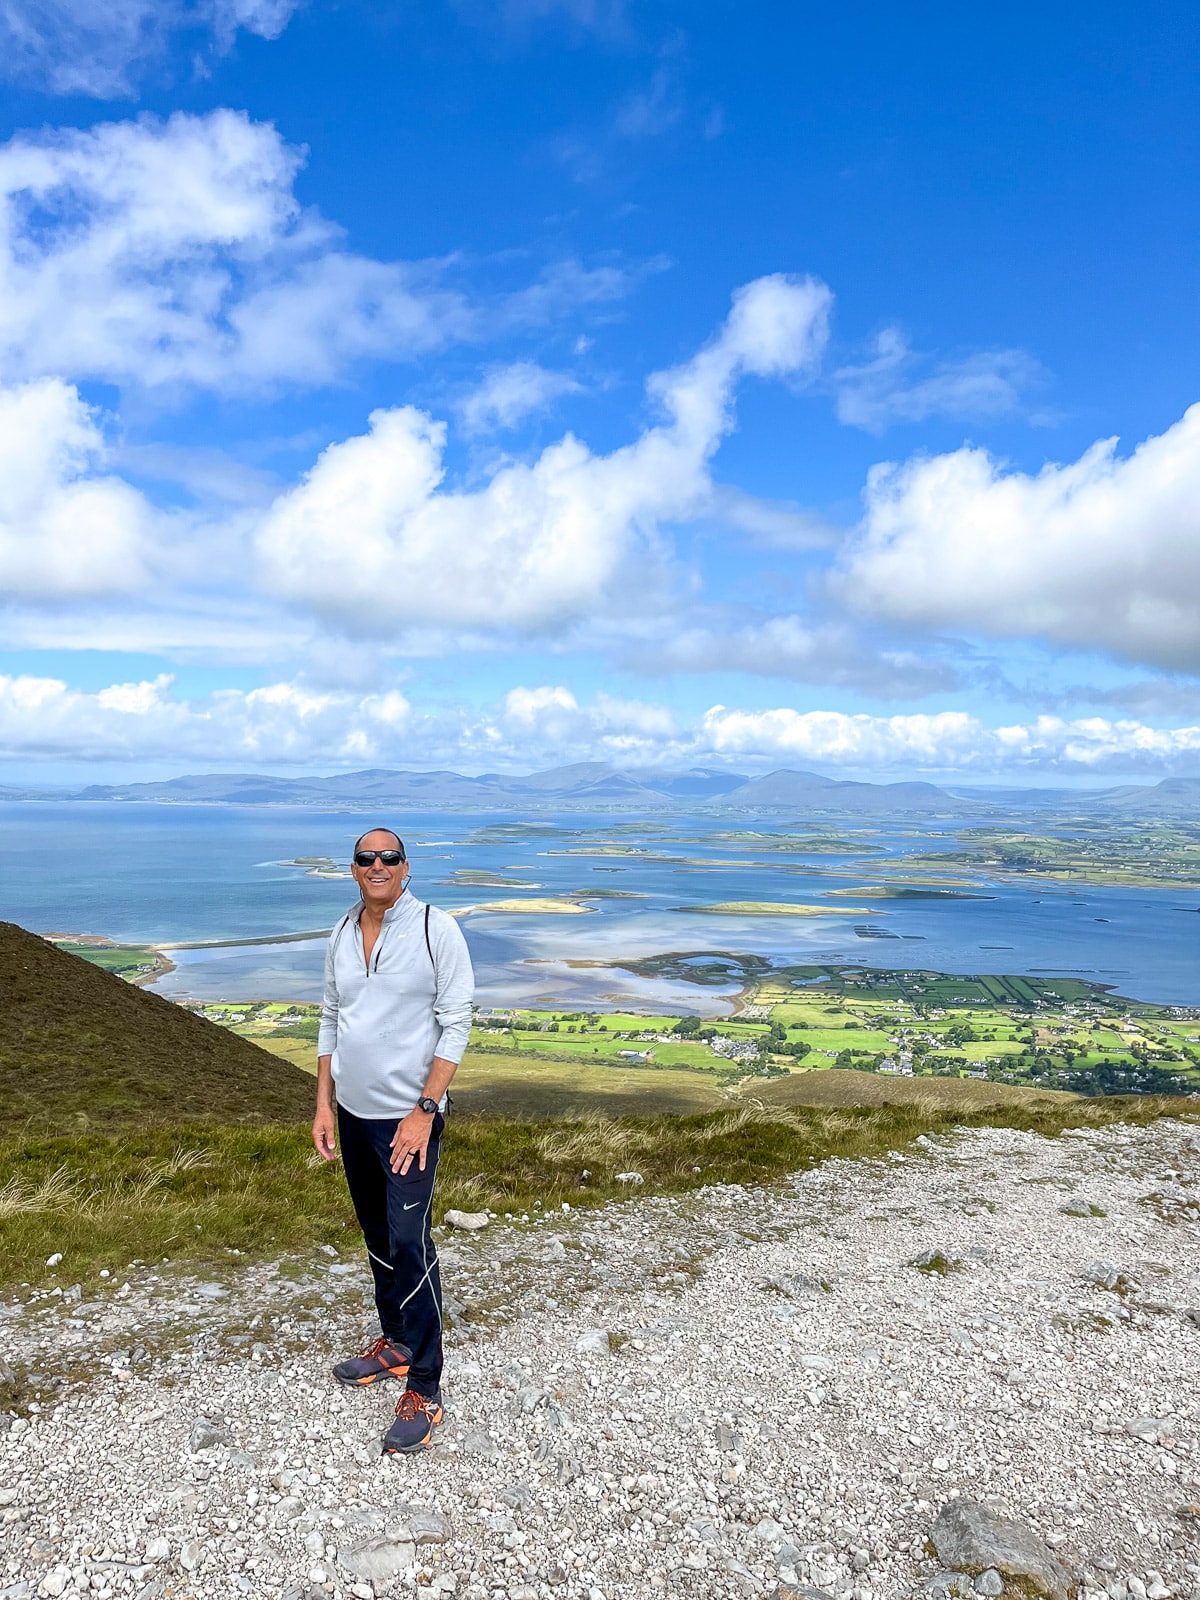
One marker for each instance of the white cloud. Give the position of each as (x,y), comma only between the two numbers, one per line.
(645,113)
(175,252)
(67,528)
(171,253)
(287,724)
(100,47)
(509,394)
(369,537)
(886,389)
(280,724)
(1102,554)
(809,652)
(949,741)
(945,739)
(564,285)
(528,707)
(369,541)
(550,719)
(778,524)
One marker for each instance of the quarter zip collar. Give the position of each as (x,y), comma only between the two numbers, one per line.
(403,911)
(405,907)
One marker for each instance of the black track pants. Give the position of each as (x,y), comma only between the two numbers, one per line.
(395,1215)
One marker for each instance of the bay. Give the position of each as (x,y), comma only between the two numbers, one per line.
(170,874)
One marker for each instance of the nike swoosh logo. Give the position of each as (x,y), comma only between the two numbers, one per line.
(413,1206)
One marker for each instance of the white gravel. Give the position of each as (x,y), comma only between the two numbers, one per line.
(694,1397)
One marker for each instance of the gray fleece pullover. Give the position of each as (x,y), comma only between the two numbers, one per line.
(384,1026)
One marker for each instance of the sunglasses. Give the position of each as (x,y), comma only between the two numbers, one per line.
(386,858)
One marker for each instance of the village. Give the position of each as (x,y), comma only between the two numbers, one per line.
(1061,1033)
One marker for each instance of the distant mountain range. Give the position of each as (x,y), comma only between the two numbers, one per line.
(600,786)
(1176,797)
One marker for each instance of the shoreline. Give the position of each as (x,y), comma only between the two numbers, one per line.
(230,944)
(1091,977)
(163,967)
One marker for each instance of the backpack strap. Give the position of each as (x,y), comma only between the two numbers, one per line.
(429,946)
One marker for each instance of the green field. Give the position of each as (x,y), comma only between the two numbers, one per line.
(126,960)
(1047,1033)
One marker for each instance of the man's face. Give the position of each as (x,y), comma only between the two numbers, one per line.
(379,885)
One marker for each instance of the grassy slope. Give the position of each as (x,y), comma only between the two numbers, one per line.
(81,1048)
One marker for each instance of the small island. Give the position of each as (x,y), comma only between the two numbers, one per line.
(318,866)
(470,878)
(902,891)
(610,894)
(529,908)
(774,908)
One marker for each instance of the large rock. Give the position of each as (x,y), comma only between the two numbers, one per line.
(479,1443)
(973,1538)
(418,1525)
(205,1436)
(378,1560)
(594,1342)
(1151,1430)
(471,1221)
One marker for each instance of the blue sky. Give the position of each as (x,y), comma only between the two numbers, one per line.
(493,383)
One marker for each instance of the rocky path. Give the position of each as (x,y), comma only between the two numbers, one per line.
(710,1396)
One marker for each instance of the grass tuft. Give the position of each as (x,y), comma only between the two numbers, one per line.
(755,1115)
(593,1140)
(22,1196)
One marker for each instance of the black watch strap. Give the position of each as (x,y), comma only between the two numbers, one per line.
(427,1105)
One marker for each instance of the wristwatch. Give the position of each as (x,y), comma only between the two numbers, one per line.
(427,1105)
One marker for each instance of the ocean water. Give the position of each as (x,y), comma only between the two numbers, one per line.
(174,873)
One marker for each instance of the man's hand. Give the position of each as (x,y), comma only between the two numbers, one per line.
(411,1140)
(324,1132)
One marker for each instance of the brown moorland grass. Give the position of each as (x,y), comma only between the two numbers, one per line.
(81,1048)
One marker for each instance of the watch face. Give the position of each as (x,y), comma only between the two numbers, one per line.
(427,1104)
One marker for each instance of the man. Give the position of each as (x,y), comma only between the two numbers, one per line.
(394,1024)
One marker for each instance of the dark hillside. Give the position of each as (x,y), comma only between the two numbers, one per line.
(81,1048)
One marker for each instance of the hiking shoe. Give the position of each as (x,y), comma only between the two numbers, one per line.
(383,1359)
(418,1416)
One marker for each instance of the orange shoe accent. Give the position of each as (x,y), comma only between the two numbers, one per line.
(409,1410)
(391,1362)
